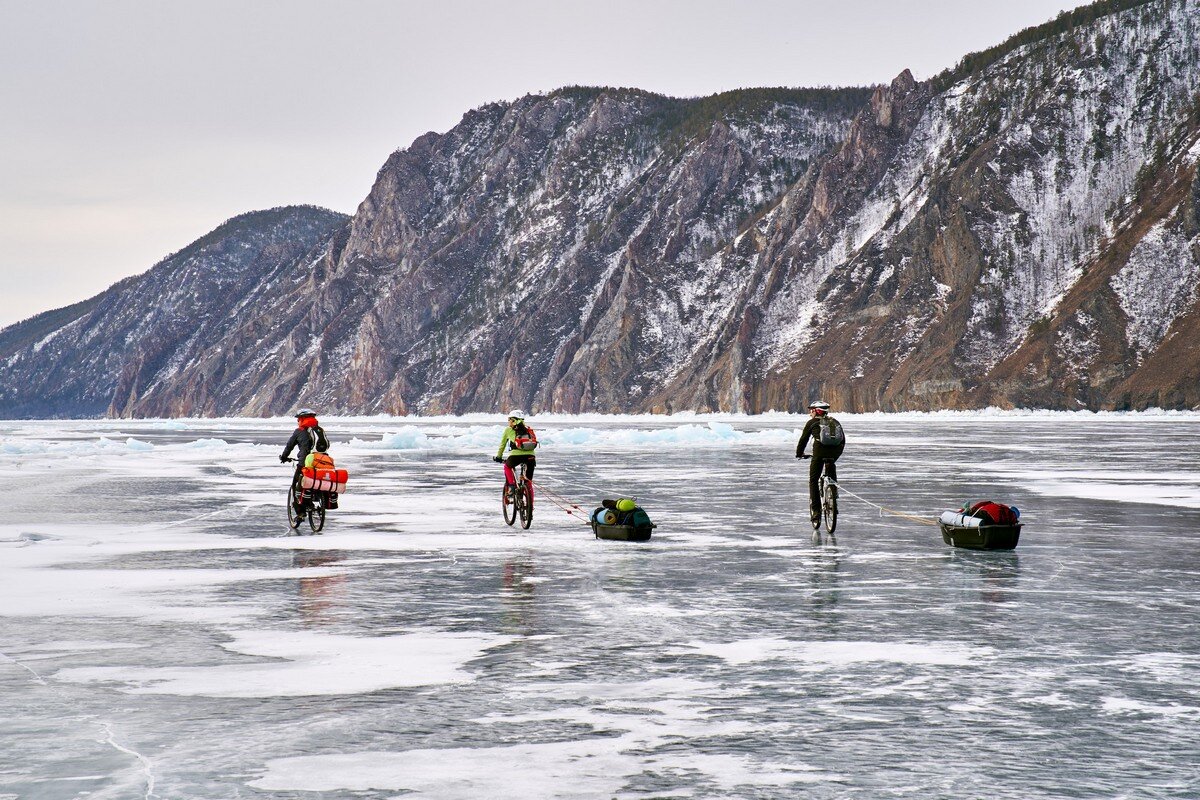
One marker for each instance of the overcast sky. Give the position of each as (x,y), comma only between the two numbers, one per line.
(129,128)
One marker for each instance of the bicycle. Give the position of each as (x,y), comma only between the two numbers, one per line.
(827,491)
(516,500)
(312,507)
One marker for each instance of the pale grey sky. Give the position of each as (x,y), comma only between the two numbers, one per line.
(129,128)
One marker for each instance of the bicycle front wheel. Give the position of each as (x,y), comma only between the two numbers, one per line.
(526,506)
(295,515)
(815,516)
(508,505)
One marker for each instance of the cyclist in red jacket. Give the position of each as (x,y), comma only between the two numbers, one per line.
(308,437)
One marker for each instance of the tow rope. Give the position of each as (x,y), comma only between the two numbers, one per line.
(883,509)
(562,503)
(578,485)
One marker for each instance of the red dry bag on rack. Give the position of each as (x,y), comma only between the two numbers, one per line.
(323,480)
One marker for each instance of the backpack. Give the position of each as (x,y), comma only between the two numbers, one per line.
(830,433)
(319,461)
(525,442)
(991,512)
(639,518)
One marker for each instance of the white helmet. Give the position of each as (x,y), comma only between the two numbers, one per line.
(819,406)
(306,412)
(516,414)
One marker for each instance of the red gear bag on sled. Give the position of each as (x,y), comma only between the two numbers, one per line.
(324,480)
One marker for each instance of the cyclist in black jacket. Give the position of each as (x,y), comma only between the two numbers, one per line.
(820,455)
(308,436)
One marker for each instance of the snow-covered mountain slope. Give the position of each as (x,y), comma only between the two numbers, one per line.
(951,249)
(1020,230)
(514,259)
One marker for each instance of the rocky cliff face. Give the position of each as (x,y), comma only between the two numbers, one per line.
(524,257)
(1014,186)
(1021,231)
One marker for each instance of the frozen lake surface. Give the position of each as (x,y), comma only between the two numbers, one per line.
(162,636)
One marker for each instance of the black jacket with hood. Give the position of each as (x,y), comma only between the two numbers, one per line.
(820,452)
(304,439)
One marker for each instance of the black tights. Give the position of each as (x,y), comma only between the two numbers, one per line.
(512,461)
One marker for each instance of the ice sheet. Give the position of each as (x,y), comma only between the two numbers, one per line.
(584,769)
(162,631)
(311,664)
(835,653)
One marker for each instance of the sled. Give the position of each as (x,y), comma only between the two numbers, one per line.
(981,537)
(623,533)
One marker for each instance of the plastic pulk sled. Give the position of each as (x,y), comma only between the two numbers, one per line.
(621,520)
(982,525)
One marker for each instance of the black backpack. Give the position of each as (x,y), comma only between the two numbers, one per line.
(830,433)
(317,443)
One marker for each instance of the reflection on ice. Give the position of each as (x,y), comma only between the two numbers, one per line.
(320,594)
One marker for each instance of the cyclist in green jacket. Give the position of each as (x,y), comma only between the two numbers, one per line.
(521,441)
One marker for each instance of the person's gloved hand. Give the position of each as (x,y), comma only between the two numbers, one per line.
(802,455)
(497,459)
(283,459)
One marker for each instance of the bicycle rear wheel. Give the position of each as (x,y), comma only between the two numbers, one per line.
(316,515)
(829,507)
(508,504)
(295,515)
(526,505)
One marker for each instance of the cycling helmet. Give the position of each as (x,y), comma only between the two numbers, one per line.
(516,414)
(820,406)
(305,412)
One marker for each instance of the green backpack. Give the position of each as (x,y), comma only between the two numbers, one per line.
(639,518)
